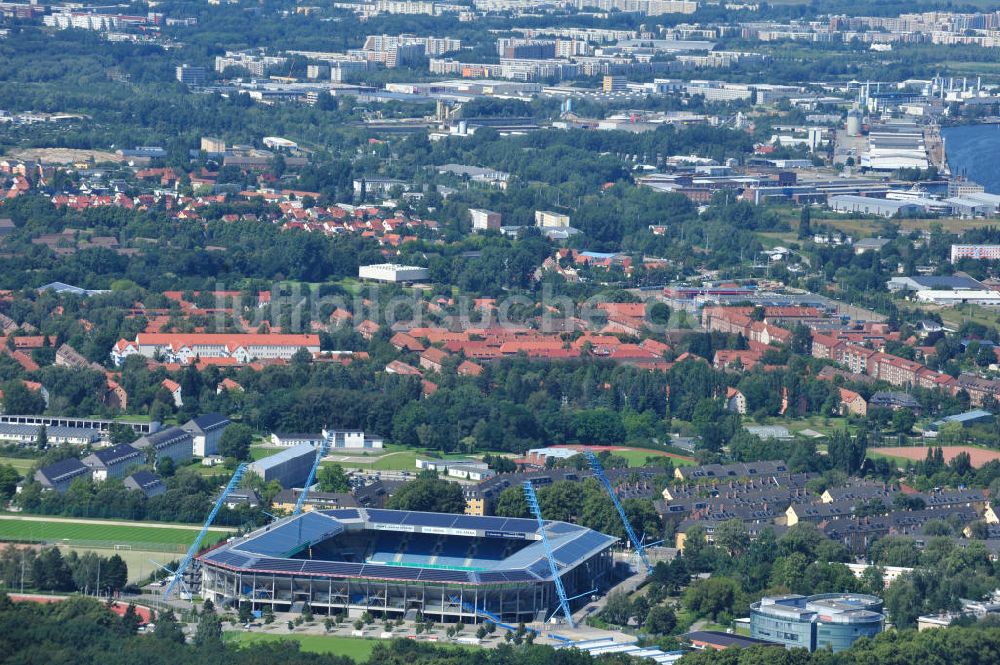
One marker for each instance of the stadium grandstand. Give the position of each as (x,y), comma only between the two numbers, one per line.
(395,564)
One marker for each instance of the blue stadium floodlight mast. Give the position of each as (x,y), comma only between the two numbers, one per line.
(536,510)
(320,454)
(640,549)
(196,545)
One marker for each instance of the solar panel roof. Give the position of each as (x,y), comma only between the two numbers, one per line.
(291,536)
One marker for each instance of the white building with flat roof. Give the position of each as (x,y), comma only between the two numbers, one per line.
(978,252)
(872,206)
(393,272)
(546,218)
(484,220)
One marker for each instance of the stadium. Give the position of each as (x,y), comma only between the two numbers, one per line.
(395,564)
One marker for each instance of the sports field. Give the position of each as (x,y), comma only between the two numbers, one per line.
(356,648)
(977,456)
(635,456)
(97,533)
(352,647)
(21,464)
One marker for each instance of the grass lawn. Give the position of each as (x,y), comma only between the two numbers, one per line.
(260,452)
(19,463)
(356,648)
(352,647)
(85,533)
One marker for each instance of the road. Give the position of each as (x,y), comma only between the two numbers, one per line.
(627,586)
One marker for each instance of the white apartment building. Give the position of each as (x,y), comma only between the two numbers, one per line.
(184,347)
(549,219)
(978,252)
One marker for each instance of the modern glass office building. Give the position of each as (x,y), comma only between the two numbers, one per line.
(816,622)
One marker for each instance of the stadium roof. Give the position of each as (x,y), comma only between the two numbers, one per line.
(269,549)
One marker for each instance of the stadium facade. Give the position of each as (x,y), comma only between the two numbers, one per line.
(394,564)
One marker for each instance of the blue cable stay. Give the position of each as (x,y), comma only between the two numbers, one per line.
(536,510)
(320,454)
(196,545)
(640,549)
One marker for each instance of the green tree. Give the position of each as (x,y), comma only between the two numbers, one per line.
(617,609)
(114,573)
(713,597)
(661,620)
(235,441)
(168,628)
(904,601)
(9,477)
(805,223)
(511,503)
(732,537)
(209,632)
(333,479)
(430,495)
(19,399)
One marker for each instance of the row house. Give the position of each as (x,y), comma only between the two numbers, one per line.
(182,348)
(893,369)
(792,483)
(977,388)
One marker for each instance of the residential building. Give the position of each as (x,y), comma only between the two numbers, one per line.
(432,359)
(191,76)
(290,440)
(613,83)
(352,439)
(242,348)
(113,462)
(736,402)
(852,403)
(545,218)
(172,442)
(286,499)
(206,431)
(67,356)
(484,220)
(57,435)
(175,391)
(59,476)
(146,482)
(977,252)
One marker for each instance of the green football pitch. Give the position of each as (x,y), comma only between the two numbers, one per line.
(96,533)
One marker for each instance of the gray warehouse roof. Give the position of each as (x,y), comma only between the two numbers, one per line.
(284,456)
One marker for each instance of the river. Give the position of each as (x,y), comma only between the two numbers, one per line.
(973,151)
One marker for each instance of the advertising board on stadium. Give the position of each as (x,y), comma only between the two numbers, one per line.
(379,526)
(444,531)
(505,534)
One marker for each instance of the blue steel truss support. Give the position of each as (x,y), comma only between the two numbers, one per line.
(320,454)
(196,545)
(536,510)
(640,549)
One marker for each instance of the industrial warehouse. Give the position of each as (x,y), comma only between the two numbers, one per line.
(396,564)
